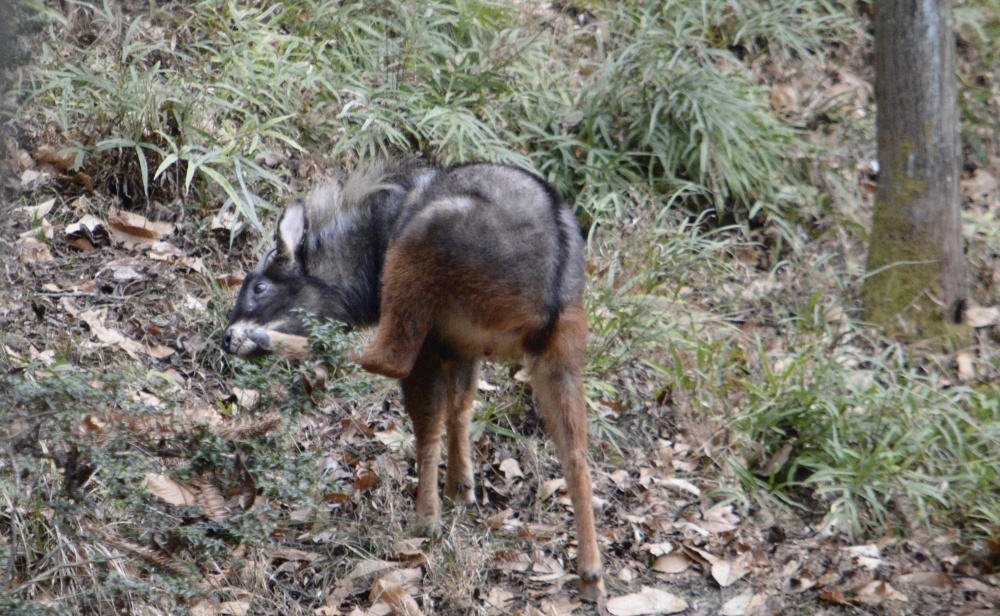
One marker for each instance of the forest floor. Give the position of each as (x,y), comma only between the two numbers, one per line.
(142,471)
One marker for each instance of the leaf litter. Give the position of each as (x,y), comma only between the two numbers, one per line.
(681,550)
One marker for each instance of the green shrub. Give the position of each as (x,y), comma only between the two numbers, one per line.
(172,100)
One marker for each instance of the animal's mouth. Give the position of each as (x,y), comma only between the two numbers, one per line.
(244,340)
(248,340)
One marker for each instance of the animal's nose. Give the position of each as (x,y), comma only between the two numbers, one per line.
(227,339)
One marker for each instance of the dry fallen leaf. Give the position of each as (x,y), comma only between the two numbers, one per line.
(86,233)
(40,211)
(546,568)
(680,484)
(31,179)
(646,601)
(108,337)
(210,498)
(982,316)
(268,159)
(498,599)
(784,98)
(406,548)
(47,357)
(763,603)
(368,568)
(672,563)
(658,549)
(131,229)
(80,179)
(22,160)
(867,556)
(550,487)
(30,250)
(714,525)
(246,398)
(399,600)
(497,520)
(979,187)
(619,478)
(163,251)
(511,469)
(392,439)
(928,580)
(198,412)
(44,231)
(559,606)
(834,595)
(777,461)
(194,304)
(63,159)
(800,583)
(966,367)
(726,572)
(225,221)
(737,605)
(205,607)
(407,579)
(512,560)
(879,591)
(123,273)
(173,492)
(366,480)
(234,608)
(293,555)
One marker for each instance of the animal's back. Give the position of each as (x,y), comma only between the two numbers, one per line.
(501,223)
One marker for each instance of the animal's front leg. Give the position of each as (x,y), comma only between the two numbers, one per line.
(425,397)
(409,296)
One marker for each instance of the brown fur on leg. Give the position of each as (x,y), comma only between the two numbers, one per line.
(463,377)
(424,396)
(409,292)
(557,378)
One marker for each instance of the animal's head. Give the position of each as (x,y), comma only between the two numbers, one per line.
(278,291)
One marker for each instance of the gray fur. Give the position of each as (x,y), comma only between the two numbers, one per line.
(491,218)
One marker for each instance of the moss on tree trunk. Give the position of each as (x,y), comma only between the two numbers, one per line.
(916,278)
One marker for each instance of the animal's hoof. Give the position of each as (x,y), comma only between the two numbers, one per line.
(592,588)
(426,528)
(460,493)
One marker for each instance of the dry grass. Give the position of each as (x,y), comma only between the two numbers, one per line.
(737,407)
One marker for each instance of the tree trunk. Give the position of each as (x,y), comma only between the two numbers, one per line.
(916,281)
(10,57)
(6,51)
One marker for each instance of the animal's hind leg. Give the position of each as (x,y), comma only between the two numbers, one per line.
(557,378)
(459,484)
(425,394)
(409,290)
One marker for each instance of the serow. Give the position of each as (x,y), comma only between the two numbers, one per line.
(451,265)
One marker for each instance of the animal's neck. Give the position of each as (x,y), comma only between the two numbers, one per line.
(348,256)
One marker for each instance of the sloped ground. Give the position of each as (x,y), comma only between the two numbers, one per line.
(143,472)
(122,343)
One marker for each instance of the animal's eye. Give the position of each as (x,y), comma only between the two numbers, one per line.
(259,288)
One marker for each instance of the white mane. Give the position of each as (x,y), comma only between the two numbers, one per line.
(334,203)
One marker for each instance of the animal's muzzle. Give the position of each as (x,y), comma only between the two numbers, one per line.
(243,339)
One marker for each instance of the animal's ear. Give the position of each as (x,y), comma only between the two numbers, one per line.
(291,232)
